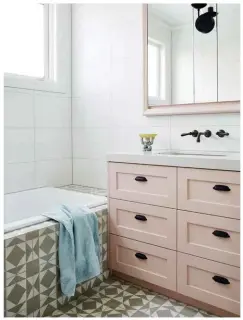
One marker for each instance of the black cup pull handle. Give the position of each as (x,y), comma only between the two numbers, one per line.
(140,217)
(221,187)
(141,256)
(221,280)
(221,234)
(140,178)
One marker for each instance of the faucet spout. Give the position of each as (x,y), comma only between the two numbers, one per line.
(199,135)
(207,134)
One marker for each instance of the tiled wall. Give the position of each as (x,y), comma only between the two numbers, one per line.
(31,270)
(37,139)
(107,95)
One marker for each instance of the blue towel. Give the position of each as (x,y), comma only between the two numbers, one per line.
(79,248)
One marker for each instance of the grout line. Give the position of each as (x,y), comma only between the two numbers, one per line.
(71,100)
(217,52)
(21,90)
(34,131)
(39,128)
(37,161)
(170,139)
(193,55)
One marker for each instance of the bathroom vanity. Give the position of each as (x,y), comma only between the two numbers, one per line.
(174,223)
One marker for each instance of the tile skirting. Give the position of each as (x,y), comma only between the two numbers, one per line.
(31,270)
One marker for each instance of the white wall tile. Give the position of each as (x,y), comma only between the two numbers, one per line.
(52,110)
(18,145)
(52,144)
(91,65)
(90,172)
(19,176)
(221,120)
(91,111)
(54,173)
(18,108)
(91,143)
(25,110)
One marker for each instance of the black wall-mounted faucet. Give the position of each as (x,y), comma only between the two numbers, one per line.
(206,133)
(193,133)
(221,133)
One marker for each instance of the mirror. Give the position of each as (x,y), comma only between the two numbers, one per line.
(228,52)
(189,47)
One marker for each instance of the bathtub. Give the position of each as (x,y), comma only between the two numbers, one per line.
(23,209)
(31,245)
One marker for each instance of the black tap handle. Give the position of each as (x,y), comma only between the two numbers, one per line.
(185,134)
(193,133)
(222,133)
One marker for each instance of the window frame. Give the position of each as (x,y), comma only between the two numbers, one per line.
(57,57)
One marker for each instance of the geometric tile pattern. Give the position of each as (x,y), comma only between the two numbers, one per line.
(84,189)
(31,270)
(118,298)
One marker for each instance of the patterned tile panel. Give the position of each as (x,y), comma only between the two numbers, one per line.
(84,189)
(32,273)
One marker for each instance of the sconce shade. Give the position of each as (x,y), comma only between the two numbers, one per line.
(205,22)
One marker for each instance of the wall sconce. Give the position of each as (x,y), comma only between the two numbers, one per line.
(204,22)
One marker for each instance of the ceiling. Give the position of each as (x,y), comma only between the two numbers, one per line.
(174,15)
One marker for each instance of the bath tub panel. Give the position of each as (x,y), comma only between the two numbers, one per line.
(32,273)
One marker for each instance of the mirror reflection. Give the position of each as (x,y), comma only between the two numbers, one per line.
(188,49)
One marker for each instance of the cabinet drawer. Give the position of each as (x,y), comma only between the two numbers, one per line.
(196,192)
(150,224)
(195,279)
(143,183)
(195,236)
(158,267)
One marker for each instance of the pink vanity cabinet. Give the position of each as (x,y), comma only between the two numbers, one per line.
(179,229)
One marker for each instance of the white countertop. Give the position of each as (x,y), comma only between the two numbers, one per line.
(202,160)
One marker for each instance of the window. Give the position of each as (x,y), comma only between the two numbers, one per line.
(156,71)
(37,46)
(25,40)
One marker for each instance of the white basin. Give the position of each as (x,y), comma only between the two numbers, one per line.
(175,153)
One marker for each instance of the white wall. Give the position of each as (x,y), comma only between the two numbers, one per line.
(38,134)
(107,90)
(182,65)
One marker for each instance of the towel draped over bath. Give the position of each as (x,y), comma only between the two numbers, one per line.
(79,248)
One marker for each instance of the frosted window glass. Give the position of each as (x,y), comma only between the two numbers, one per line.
(153,70)
(23,40)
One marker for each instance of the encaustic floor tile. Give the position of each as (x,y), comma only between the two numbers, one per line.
(117,298)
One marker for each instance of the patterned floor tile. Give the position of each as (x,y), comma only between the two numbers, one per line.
(117,298)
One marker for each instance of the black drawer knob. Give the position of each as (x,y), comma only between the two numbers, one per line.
(141,256)
(221,187)
(221,234)
(140,217)
(140,178)
(221,280)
